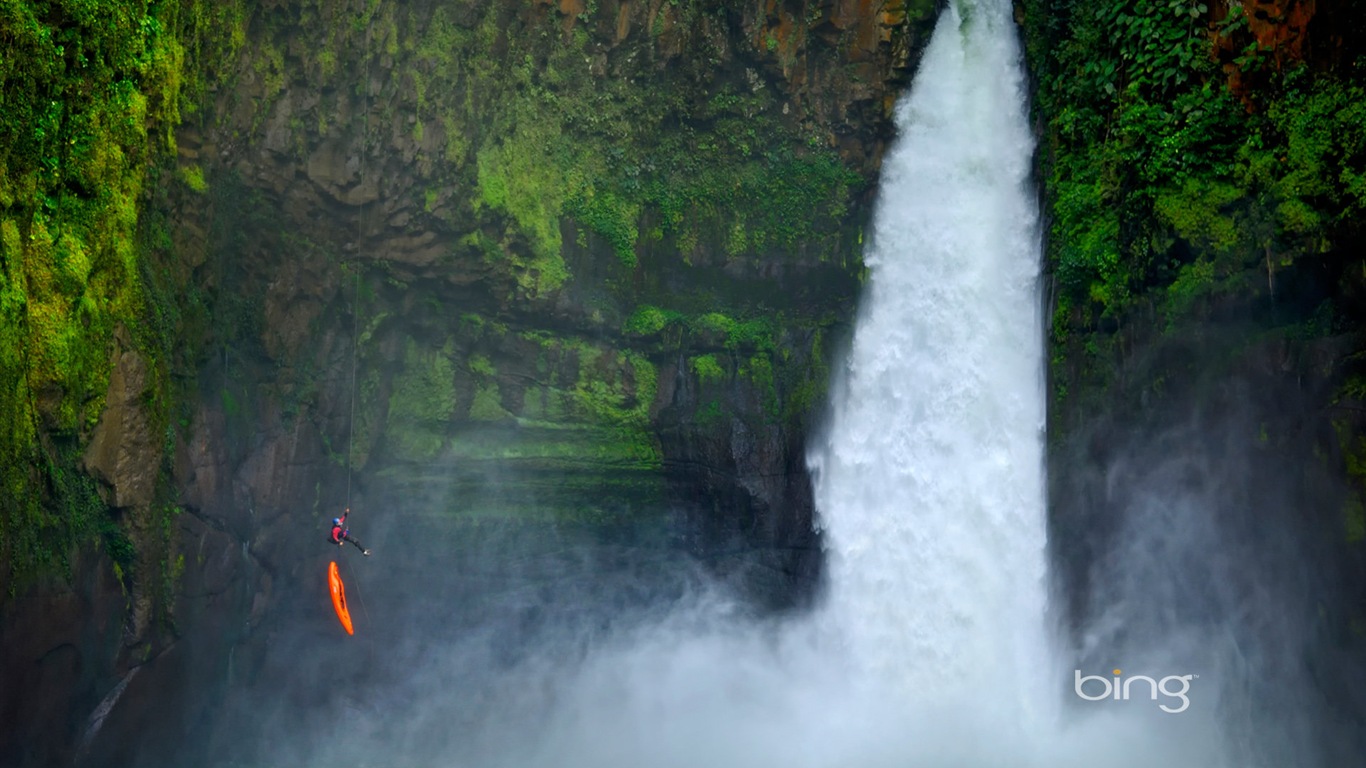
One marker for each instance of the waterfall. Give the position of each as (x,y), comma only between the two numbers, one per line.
(929,483)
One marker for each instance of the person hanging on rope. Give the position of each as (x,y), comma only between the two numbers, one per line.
(341,534)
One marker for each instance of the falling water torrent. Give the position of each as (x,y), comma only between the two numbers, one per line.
(931,645)
(929,482)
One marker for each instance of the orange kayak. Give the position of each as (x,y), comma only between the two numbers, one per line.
(339,597)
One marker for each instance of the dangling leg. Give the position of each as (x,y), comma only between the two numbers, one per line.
(361,547)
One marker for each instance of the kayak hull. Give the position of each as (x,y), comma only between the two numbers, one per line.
(339,597)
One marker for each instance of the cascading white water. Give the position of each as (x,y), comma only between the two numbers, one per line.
(929,483)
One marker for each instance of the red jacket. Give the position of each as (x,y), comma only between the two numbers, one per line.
(338,531)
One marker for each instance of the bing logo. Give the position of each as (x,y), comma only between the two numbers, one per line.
(1175,687)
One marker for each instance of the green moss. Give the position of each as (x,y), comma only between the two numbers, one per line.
(611,216)
(714,322)
(649,320)
(366,423)
(808,392)
(1354,388)
(37,541)
(425,390)
(710,414)
(706,369)
(268,63)
(762,202)
(646,384)
(597,416)
(754,333)
(193,176)
(759,370)
(422,402)
(560,448)
(610,153)
(481,366)
(519,175)
(543,404)
(1354,518)
(91,95)
(488,404)
(327,62)
(613,392)
(597,422)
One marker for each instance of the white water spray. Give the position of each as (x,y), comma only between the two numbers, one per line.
(929,484)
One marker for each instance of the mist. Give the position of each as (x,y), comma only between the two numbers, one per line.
(1190,542)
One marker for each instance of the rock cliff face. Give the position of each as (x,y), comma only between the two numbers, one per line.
(464,266)
(606,247)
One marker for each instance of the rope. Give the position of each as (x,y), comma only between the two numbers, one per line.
(351,421)
(355,309)
(355,258)
(355,584)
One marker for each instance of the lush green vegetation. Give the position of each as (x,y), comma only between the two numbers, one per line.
(522,114)
(423,401)
(1187,164)
(1165,185)
(707,369)
(89,95)
(1196,162)
(605,150)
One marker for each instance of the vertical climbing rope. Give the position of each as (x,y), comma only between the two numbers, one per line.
(355,258)
(355,343)
(354,580)
(355,300)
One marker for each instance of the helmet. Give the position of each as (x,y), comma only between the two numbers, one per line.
(336,521)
